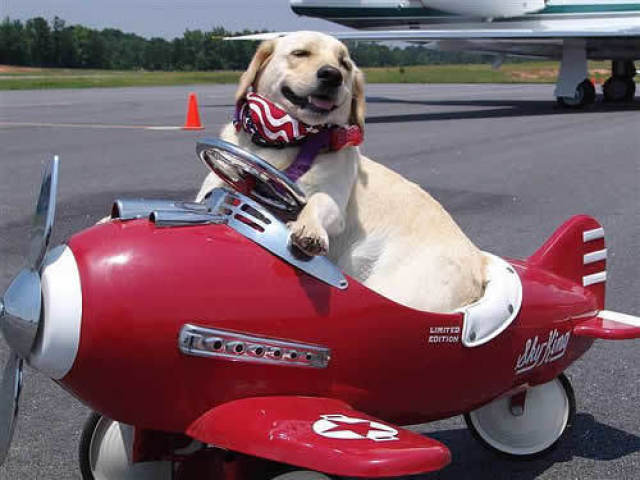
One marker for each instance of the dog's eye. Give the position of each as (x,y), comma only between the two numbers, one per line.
(301,53)
(346,64)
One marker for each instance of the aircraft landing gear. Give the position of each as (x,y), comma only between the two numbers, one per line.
(573,89)
(585,95)
(620,87)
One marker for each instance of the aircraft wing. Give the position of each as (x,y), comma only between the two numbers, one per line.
(609,325)
(486,31)
(321,434)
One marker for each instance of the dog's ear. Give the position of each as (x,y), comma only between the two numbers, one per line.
(260,59)
(357,100)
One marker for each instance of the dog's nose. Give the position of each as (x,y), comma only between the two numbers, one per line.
(330,76)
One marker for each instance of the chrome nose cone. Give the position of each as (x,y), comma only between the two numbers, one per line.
(20,316)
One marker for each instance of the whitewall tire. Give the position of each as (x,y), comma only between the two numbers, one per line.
(103,453)
(548,415)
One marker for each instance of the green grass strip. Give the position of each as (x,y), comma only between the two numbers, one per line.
(530,72)
(46,79)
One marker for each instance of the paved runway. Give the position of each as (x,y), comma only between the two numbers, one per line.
(507,164)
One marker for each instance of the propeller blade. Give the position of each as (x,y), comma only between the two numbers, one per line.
(9,396)
(42,225)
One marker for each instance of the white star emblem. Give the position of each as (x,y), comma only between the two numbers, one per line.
(341,427)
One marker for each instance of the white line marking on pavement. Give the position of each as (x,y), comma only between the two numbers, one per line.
(86,125)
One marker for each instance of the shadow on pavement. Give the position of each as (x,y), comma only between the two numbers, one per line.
(492,109)
(588,439)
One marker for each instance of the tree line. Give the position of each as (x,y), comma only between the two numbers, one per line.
(39,43)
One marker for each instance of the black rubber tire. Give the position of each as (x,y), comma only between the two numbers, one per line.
(585,95)
(85,445)
(613,86)
(566,384)
(632,91)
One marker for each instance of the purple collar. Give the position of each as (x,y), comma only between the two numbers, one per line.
(309,150)
(332,139)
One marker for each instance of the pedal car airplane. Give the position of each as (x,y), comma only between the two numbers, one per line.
(212,349)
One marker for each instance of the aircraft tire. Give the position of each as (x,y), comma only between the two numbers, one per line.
(548,415)
(619,89)
(585,95)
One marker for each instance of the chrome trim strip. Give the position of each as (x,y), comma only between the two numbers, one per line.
(594,257)
(594,278)
(240,347)
(595,234)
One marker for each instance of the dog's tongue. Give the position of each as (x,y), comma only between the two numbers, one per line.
(320,103)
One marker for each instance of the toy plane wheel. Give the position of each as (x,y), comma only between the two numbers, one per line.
(302,475)
(103,453)
(530,430)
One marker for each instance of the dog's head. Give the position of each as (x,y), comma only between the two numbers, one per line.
(311,76)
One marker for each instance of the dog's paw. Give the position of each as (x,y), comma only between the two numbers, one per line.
(310,240)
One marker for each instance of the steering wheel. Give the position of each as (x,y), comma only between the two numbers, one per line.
(252,176)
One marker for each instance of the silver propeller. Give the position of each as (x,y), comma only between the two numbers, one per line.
(21,306)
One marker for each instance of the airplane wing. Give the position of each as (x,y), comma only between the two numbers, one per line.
(490,31)
(609,325)
(320,434)
(491,38)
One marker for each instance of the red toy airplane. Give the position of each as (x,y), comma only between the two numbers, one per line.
(211,347)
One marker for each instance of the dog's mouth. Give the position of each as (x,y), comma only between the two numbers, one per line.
(317,103)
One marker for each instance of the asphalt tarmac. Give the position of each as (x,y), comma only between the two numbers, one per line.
(507,164)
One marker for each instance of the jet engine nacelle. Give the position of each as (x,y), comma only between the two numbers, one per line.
(487,8)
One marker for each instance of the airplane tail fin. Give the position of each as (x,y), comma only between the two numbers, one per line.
(577,252)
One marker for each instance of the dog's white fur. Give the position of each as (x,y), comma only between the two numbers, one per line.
(378,227)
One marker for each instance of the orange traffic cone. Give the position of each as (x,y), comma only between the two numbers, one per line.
(192,121)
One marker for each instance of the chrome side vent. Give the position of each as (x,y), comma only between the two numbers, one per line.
(238,347)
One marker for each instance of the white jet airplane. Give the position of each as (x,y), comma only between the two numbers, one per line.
(569,30)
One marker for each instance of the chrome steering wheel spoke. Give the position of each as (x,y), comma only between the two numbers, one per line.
(252,176)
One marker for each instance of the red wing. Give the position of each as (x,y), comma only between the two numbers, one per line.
(609,326)
(320,434)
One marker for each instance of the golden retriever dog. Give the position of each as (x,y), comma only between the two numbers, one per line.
(380,228)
